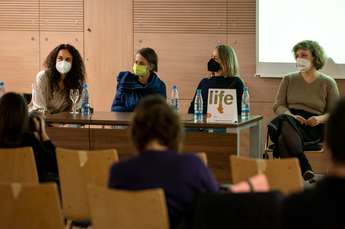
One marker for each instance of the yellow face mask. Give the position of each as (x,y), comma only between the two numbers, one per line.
(140,70)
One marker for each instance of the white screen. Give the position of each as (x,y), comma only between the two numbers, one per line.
(283,23)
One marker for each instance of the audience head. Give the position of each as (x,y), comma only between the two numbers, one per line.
(13,119)
(65,60)
(335,133)
(146,60)
(311,51)
(155,120)
(227,59)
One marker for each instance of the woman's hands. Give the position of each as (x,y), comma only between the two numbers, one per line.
(312,121)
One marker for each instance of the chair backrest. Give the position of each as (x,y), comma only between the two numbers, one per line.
(30,206)
(77,169)
(283,175)
(18,165)
(112,208)
(237,210)
(203,157)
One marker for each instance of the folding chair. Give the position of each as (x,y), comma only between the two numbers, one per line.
(237,210)
(112,208)
(77,169)
(283,175)
(30,206)
(18,165)
(314,153)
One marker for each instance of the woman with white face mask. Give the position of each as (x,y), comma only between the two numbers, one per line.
(64,70)
(302,104)
(133,86)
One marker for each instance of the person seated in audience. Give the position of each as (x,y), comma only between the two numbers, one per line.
(156,132)
(131,87)
(224,73)
(17,130)
(64,70)
(322,207)
(302,104)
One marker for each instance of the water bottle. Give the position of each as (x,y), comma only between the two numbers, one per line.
(85,106)
(245,108)
(175,98)
(2,88)
(198,107)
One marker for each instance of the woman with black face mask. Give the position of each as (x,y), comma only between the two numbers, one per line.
(224,70)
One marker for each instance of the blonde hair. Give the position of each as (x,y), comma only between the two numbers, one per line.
(228,58)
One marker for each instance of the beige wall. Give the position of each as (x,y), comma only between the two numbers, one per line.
(108,32)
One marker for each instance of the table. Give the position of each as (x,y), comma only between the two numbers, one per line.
(103,130)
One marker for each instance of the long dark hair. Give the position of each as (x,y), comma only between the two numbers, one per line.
(14,119)
(74,78)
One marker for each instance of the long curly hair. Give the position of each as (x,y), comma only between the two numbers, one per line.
(74,78)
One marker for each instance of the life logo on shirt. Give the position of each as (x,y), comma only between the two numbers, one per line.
(222,105)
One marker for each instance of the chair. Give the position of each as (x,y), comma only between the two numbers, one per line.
(30,206)
(283,175)
(18,165)
(111,208)
(77,169)
(260,210)
(203,157)
(314,153)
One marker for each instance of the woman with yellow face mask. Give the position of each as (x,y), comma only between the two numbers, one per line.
(131,87)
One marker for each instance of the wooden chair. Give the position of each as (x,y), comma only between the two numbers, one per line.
(315,154)
(30,206)
(203,157)
(18,165)
(283,175)
(77,169)
(112,208)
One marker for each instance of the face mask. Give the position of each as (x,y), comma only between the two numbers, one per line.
(139,70)
(213,66)
(302,64)
(63,66)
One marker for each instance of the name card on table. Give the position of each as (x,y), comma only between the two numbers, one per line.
(222,105)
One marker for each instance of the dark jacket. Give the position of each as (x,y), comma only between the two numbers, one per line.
(129,90)
(219,82)
(45,157)
(321,207)
(181,176)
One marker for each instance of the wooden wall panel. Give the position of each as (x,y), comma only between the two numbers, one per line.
(197,17)
(19,15)
(241,16)
(49,40)
(108,47)
(62,15)
(19,59)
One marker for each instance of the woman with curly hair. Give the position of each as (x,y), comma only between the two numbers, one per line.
(302,104)
(64,70)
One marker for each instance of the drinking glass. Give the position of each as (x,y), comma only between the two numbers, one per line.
(74,96)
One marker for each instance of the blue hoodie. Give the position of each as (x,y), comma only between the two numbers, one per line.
(129,91)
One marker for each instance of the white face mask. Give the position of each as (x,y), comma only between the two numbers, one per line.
(63,66)
(302,64)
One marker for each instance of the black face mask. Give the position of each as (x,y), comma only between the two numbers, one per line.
(213,66)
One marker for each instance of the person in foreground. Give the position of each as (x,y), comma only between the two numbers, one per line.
(302,104)
(322,207)
(224,70)
(131,87)
(64,70)
(17,130)
(156,132)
